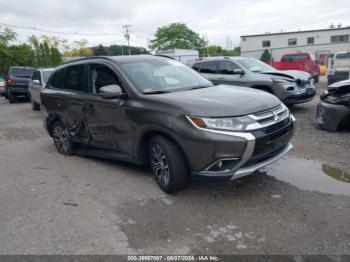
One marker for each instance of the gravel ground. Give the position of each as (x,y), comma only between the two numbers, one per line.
(52,204)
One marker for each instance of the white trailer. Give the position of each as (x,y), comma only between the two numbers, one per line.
(186,56)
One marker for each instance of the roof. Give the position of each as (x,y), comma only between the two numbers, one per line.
(295,32)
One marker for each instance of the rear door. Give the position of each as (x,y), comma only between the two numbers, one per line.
(107,119)
(68,89)
(209,70)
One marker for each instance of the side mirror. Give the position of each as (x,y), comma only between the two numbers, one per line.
(238,72)
(111,92)
(36,82)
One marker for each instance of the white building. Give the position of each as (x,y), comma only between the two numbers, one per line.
(321,43)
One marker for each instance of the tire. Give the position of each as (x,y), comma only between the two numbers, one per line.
(11,98)
(35,106)
(168,164)
(61,139)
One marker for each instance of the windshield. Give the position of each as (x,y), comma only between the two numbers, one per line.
(46,75)
(21,72)
(343,56)
(162,75)
(255,65)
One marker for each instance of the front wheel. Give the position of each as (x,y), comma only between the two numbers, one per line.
(35,106)
(168,164)
(61,139)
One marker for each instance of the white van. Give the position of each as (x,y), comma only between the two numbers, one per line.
(339,67)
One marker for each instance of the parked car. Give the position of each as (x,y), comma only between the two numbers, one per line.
(333,112)
(149,109)
(299,61)
(17,82)
(36,84)
(339,67)
(291,87)
(2,86)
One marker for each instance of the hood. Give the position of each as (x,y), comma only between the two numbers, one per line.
(290,74)
(221,101)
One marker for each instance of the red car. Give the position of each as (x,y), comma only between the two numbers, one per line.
(299,61)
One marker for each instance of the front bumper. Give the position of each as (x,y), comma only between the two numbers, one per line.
(328,116)
(261,149)
(300,98)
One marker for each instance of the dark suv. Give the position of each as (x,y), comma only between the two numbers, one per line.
(17,82)
(149,109)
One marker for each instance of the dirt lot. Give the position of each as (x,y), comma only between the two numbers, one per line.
(51,204)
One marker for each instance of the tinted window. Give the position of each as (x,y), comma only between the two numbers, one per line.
(21,72)
(36,76)
(343,56)
(227,67)
(102,76)
(57,79)
(209,67)
(74,78)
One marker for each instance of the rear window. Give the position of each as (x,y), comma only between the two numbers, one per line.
(295,57)
(209,67)
(21,72)
(343,56)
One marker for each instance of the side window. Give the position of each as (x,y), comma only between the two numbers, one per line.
(56,79)
(209,67)
(74,78)
(36,76)
(196,66)
(227,67)
(102,76)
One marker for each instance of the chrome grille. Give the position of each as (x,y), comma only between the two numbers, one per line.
(269,117)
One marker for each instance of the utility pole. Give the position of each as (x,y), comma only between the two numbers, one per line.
(127,36)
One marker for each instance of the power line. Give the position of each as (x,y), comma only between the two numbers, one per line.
(56,32)
(127,36)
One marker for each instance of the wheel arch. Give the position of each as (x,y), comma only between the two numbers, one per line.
(145,138)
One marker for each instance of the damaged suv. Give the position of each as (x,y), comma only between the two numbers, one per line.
(154,110)
(290,86)
(333,112)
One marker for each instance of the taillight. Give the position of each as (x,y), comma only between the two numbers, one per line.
(9,81)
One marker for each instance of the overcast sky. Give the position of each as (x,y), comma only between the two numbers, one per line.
(217,19)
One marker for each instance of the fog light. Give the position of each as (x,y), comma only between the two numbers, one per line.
(291,88)
(223,165)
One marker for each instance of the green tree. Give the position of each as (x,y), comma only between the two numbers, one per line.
(176,35)
(266,57)
(21,55)
(7,35)
(99,50)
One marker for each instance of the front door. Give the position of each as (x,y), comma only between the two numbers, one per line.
(107,120)
(227,76)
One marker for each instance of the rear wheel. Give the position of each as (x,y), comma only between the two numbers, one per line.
(168,164)
(61,139)
(11,98)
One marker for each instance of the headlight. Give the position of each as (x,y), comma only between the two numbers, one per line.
(336,99)
(226,123)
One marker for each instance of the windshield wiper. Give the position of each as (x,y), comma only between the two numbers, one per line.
(199,87)
(156,92)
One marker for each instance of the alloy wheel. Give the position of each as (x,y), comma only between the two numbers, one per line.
(61,139)
(160,165)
